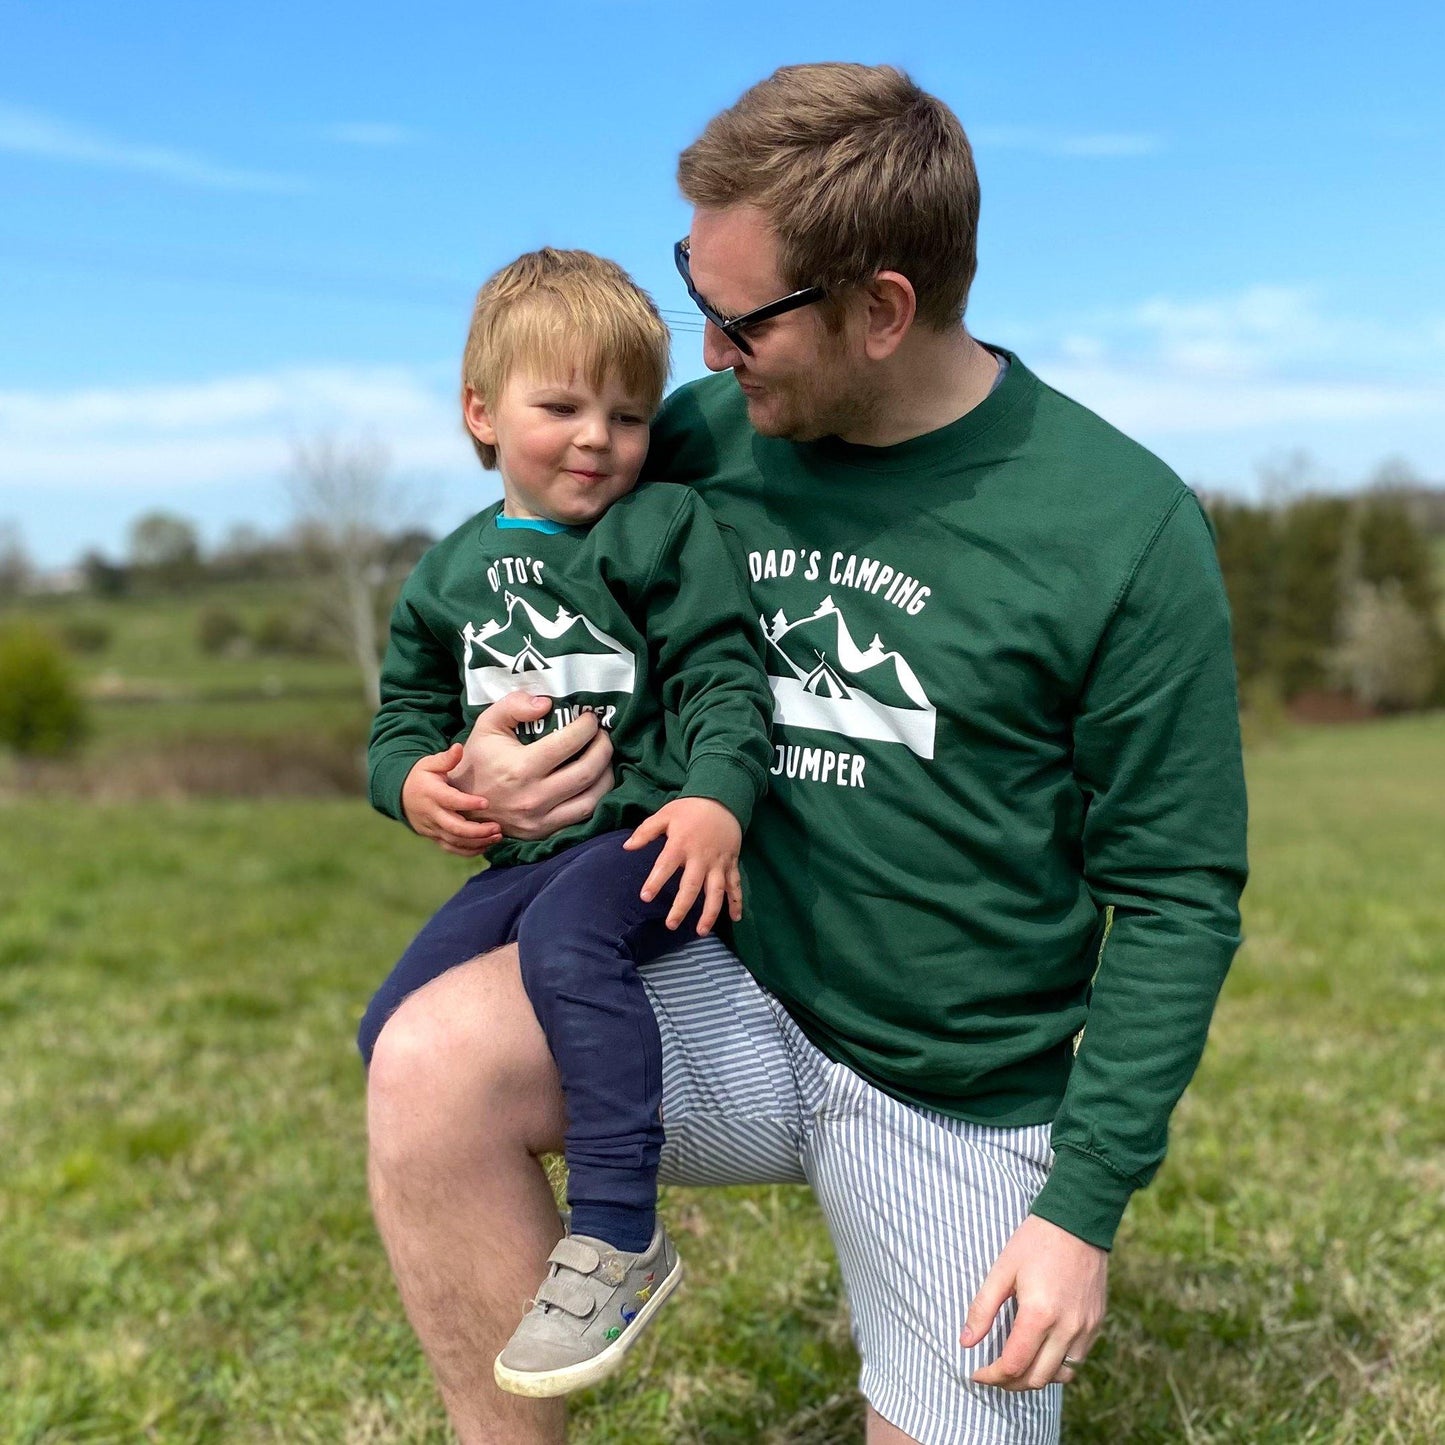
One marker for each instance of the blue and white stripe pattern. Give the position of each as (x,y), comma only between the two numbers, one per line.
(919,1205)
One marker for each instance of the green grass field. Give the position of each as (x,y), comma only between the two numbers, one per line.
(186,1253)
(152,682)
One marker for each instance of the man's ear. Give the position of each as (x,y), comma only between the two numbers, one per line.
(479,419)
(890,308)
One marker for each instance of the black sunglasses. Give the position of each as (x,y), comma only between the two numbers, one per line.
(734,327)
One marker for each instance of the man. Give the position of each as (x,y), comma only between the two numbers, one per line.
(1006,800)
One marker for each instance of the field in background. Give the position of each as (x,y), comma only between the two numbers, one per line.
(186,1253)
(171,718)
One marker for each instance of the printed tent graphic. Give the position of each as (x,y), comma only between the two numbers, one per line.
(561,655)
(529,659)
(823,680)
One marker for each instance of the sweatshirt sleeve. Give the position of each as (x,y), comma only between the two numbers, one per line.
(421,709)
(707,655)
(1157,757)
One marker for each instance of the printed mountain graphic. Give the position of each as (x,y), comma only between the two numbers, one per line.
(558,655)
(822,679)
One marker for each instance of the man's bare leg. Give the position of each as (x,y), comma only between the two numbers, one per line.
(881,1432)
(462,1097)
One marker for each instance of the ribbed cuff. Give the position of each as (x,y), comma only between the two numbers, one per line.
(388,774)
(725,780)
(1083,1196)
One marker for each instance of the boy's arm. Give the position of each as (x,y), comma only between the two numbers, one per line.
(421,710)
(707,656)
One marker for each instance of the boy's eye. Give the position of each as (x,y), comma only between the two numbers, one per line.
(627,418)
(560,408)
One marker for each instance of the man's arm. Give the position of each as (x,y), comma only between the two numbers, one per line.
(1157,757)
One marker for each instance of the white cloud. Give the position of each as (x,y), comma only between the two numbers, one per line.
(1213,383)
(368,133)
(1140,398)
(30,133)
(1219,381)
(148,440)
(1095,145)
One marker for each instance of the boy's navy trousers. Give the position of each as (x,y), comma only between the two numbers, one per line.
(581,929)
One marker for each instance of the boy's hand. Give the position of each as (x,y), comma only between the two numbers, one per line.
(436,809)
(703,839)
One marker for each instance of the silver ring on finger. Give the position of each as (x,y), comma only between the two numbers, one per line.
(1072,1363)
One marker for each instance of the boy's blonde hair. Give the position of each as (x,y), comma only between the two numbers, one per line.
(858,171)
(556,311)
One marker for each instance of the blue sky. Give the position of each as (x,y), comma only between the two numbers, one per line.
(224,229)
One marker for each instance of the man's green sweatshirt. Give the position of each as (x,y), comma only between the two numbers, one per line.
(1007,797)
(641,618)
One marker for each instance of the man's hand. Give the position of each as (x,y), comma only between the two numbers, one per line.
(436,809)
(703,839)
(1060,1282)
(535,788)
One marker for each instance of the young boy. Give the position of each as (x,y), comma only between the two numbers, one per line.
(627,604)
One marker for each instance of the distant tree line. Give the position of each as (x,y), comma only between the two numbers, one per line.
(164,556)
(1336,594)
(1330,594)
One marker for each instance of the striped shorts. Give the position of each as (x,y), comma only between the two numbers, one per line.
(919,1205)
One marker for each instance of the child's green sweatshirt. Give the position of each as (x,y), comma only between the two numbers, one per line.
(641,618)
(1005,705)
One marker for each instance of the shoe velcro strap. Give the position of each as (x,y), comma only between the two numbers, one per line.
(571,1295)
(572,1254)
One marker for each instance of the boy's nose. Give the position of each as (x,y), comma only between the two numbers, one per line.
(593,432)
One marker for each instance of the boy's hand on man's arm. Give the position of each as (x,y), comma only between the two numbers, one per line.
(437,810)
(703,839)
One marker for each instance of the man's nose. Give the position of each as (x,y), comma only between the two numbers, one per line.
(718,353)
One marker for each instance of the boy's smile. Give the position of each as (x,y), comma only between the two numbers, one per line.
(566,448)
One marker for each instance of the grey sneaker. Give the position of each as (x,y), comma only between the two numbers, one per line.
(589,1311)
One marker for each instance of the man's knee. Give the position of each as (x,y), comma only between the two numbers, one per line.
(459,1061)
(408,1051)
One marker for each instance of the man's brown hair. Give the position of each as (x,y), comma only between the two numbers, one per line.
(858,171)
(557,311)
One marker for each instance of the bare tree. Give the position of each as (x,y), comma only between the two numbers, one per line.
(1385,655)
(16,570)
(1288,476)
(346,505)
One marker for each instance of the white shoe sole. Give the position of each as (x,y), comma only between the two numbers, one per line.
(544,1384)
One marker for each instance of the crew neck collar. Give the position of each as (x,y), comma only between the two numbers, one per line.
(537,524)
(1015,383)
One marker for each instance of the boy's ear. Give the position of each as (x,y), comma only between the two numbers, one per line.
(479,419)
